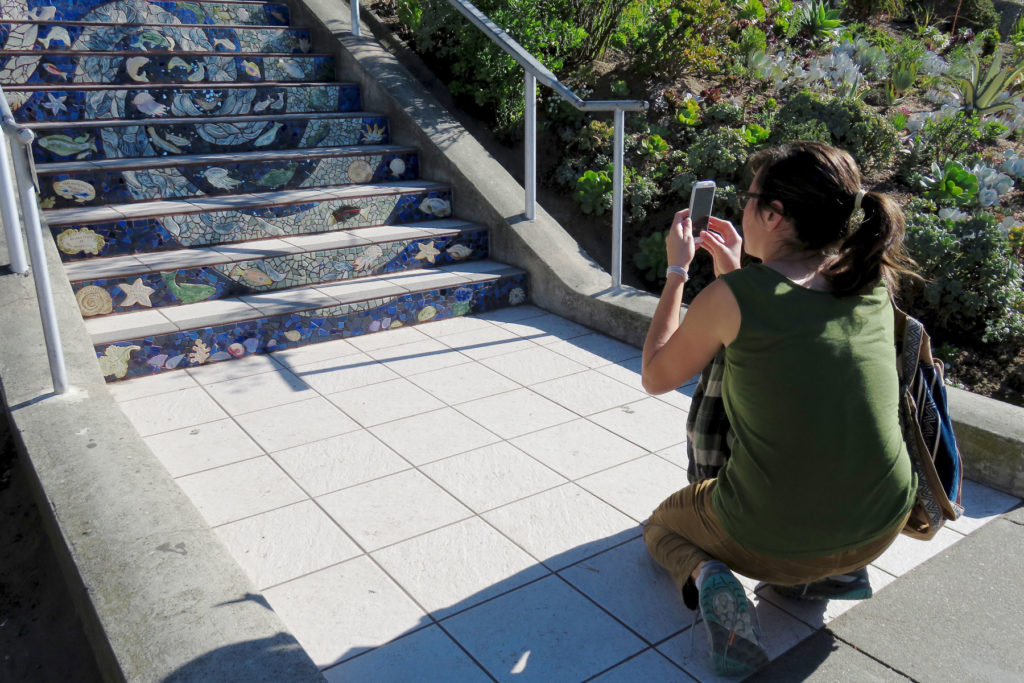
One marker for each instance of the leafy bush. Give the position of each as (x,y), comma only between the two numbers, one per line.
(975,14)
(943,139)
(562,34)
(719,155)
(752,39)
(866,9)
(723,114)
(851,125)
(651,257)
(682,36)
(973,287)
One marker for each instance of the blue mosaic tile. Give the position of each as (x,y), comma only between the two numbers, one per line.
(190,348)
(142,37)
(224,227)
(143,12)
(157,139)
(190,285)
(62,69)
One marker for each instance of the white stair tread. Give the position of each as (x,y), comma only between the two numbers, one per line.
(134,163)
(187,120)
(117,212)
(137,324)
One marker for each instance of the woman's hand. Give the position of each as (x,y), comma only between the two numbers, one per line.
(679,241)
(724,244)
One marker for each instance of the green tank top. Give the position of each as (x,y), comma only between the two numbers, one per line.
(818,463)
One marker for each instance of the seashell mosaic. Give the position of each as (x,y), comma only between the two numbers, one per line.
(136,11)
(191,285)
(150,355)
(188,179)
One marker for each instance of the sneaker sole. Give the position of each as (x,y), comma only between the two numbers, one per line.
(731,653)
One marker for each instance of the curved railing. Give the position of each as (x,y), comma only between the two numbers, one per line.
(20,189)
(535,71)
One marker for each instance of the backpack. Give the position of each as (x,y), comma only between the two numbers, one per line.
(927,431)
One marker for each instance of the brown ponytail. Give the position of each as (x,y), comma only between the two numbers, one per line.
(817,186)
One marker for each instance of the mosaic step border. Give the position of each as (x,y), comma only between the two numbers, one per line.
(136,11)
(184,137)
(190,348)
(157,33)
(160,67)
(135,180)
(242,218)
(142,101)
(269,267)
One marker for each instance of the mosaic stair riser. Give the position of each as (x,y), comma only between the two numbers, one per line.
(58,104)
(141,235)
(140,38)
(191,348)
(191,285)
(140,11)
(159,139)
(96,188)
(66,69)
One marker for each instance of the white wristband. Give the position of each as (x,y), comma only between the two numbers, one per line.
(678,270)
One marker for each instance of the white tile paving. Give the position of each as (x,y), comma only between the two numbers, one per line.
(401,538)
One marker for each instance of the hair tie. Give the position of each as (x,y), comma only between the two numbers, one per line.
(856,200)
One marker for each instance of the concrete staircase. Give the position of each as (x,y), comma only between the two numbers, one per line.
(215,192)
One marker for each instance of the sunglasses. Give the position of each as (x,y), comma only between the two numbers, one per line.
(742,197)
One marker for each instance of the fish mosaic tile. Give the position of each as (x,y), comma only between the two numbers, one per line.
(191,348)
(145,37)
(112,67)
(176,231)
(200,179)
(191,101)
(239,278)
(166,138)
(140,11)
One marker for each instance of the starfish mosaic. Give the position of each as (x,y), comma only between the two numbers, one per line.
(55,104)
(427,252)
(136,293)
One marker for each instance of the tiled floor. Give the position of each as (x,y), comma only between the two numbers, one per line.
(461,501)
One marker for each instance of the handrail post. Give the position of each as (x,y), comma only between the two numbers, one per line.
(8,207)
(617,173)
(355,17)
(530,181)
(40,272)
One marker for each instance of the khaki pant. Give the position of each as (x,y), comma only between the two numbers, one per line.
(684,531)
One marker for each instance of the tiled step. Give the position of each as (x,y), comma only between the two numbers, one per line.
(92,103)
(165,225)
(92,183)
(168,137)
(19,38)
(142,11)
(65,68)
(152,341)
(171,278)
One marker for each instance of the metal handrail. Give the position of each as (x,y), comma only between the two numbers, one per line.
(535,71)
(23,184)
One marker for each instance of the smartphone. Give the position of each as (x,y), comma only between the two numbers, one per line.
(702,198)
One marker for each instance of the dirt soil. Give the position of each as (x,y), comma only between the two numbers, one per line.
(41,637)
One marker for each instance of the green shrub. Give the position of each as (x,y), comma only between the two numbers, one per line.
(752,39)
(851,125)
(651,257)
(944,139)
(973,287)
(866,9)
(639,193)
(719,155)
(682,36)
(561,34)
(815,20)
(978,15)
(723,114)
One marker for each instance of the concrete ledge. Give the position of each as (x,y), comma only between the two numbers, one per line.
(991,438)
(563,279)
(159,595)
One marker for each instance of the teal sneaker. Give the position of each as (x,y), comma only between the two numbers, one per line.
(852,586)
(736,648)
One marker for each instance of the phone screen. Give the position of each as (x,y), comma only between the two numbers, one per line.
(702,199)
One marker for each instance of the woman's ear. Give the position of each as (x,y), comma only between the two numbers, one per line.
(776,215)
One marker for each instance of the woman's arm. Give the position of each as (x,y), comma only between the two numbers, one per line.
(675,352)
